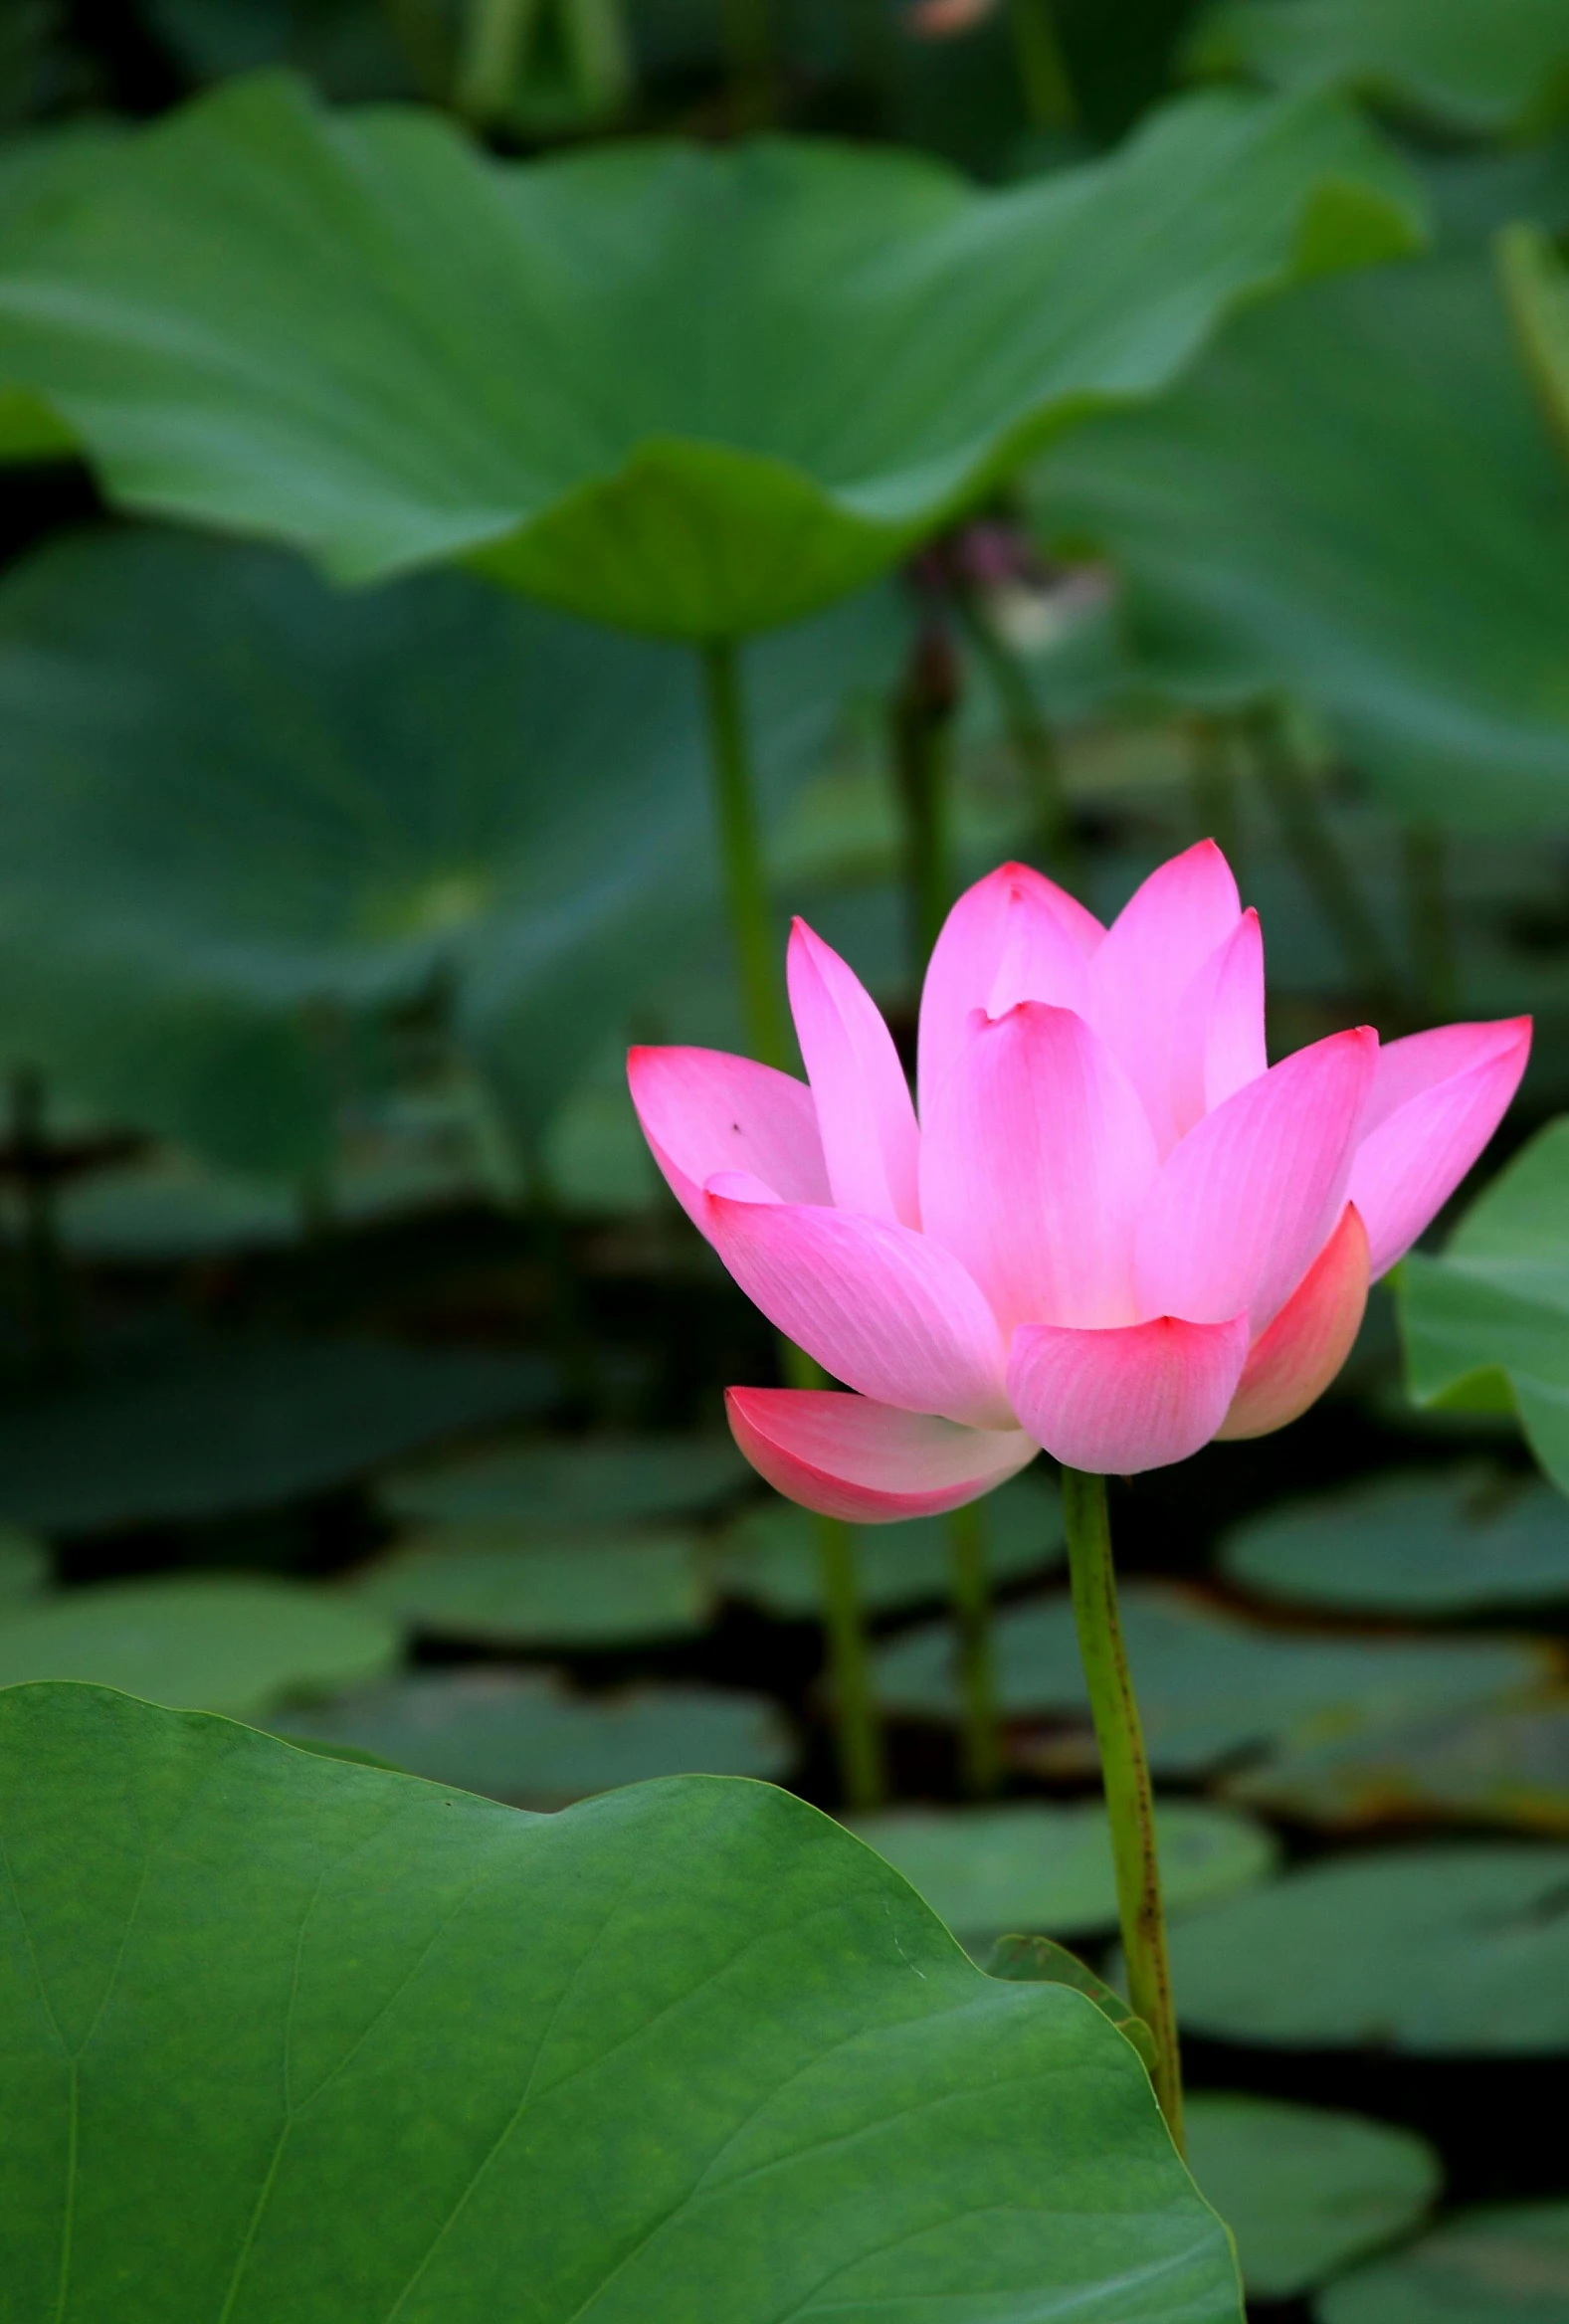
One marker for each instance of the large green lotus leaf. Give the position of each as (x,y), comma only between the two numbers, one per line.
(1475,65)
(35,170)
(595,1479)
(1487,1323)
(690,392)
(1483,1765)
(510,1585)
(1352,498)
(201,1641)
(769,1556)
(287,2037)
(1031,1867)
(1423,1543)
(204,1428)
(1304,2190)
(1452,1949)
(1505,2264)
(1211,1685)
(425,789)
(525,1737)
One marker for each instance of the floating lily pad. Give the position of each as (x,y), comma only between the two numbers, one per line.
(526,1737)
(1505,2264)
(769,1556)
(1418,1544)
(1209,1684)
(1305,2191)
(594,1479)
(500,1585)
(342,2043)
(837,348)
(202,1641)
(1034,1866)
(1353,499)
(207,1426)
(1461,1949)
(23,1566)
(1482,1765)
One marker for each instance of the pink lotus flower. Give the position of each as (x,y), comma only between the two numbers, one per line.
(1114,1232)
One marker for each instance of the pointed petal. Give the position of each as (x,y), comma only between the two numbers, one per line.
(703,1111)
(1304,1347)
(1244,1203)
(1154,948)
(1437,1100)
(1217,1039)
(887,1311)
(1118,1401)
(1036,1162)
(846,1457)
(1013,937)
(864,1111)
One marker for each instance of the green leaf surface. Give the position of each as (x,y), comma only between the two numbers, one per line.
(1505,2264)
(35,170)
(210,1427)
(505,1585)
(1209,1684)
(1030,1866)
(1423,1543)
(1476,65)
(1494,1310)
(598,1480)
(1305,2191)
(293,2039)
(432,793)
(354,333)
(769,1556)
(1480,1766)
(1433,1950)
(1042,1961)
(527,1738)
(1353,499)
(231,1643)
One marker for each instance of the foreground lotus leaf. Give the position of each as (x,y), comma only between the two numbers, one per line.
(1209,1685)
(1305,2189)
(354,333)
(1461,1950)
(1507,2263)
(290,2037)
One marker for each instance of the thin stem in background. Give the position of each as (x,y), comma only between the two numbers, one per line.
(741,855)
(1325,870)
(1425,863)
(495,40)
(1125,1773)
(1535,289)
(1216,792)
(48,1310)
(1043,67)
(750,58)
(970,1592)
(922,715)
(1032,741)
(857,1729)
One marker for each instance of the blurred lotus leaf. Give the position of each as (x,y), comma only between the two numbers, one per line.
(525,1737)
(1209,1685)
(1305,2191)
(510,1585)
(23,1566)
(601,1478)
(1436,1950)
(682,391)
(233,1643)
(1353,499)
(1483,1764)
(1505,2264)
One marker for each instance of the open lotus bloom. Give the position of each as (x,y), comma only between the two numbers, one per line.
(1112,1229)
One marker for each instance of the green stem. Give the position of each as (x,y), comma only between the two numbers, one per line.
(749,51)
(857,1730)
(741,854)
(1425,863)
(1536,294)
(1325,870)
(49,1313)
(922,763)
(496,39)
(594,34)
(1043,67)
(1125,1773)
(1032,741)
(970,1591)
(1215,790)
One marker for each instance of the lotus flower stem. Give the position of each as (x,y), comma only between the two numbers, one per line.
(1425,863)
(496,39)
(741,854)
(1215,790)
(1124,1772)
(1031,740)
(923,710)
(1325,870)
(1043,67)
(749,51)
(970,1592)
